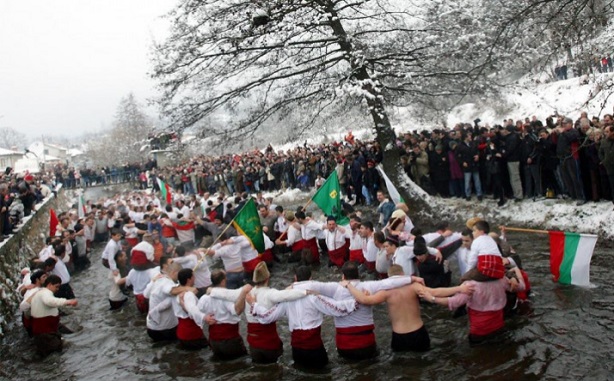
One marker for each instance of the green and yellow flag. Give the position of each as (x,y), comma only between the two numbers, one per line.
(247,223)
(328,198)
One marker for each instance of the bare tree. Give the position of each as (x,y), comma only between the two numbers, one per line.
(127,141)
(10,138)
(260,61)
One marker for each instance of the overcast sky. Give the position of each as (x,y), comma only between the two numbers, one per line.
(65,64)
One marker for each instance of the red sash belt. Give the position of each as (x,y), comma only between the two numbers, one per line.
(250,265)
(491,265)
(306,338)
(138,257)
(187,329)
(267,256)
(298,245)
(337,256)
(370,265)
(142,303)
(355,337)
(312,244)
(132,241)
(47,324)
(357,256)
(482,323)
(263,336)
(168,231)
(223,331)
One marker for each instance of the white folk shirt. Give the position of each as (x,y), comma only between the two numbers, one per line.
(161,316)
(334,240)
(356,241)
(305,313)
(46,253)
(140,279)
(223,311)
(294,235)
(363,315)
(61,271)
(483,245)
(266,297)
(115,294)
(45,304)
(230,256)
(282,224)
(202,273)
(24,306)
(191,310)
(310,229)
(109,253)
(246,250)
(369,250)
(404,256)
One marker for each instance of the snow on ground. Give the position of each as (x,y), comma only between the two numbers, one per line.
(546,214)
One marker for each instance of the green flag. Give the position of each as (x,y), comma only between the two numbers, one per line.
(328,198)
(247,223)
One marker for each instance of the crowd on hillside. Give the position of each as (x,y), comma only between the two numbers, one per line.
(529,158)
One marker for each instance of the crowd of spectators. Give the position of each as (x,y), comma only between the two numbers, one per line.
(19,195)
(533,159)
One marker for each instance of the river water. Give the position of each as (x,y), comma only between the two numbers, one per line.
(568,337)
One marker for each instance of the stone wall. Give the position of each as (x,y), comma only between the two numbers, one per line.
(19,249)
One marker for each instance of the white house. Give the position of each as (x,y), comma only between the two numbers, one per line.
(8,158)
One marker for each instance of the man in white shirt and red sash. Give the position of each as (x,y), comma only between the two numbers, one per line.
(224,338)
(309,230)
(305,318)
(357,242)
(190,319)
(335,242)
(355,337)
(46,316)
(264,343)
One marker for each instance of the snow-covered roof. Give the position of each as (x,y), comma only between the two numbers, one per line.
(8,152)
(72,152)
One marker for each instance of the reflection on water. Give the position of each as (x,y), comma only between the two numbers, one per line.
(568,337)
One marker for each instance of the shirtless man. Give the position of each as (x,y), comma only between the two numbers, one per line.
(408,331)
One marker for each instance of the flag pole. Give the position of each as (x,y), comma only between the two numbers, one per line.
(524,230)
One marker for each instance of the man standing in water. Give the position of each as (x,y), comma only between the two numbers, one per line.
(408,331)
(305,316)
(161,320)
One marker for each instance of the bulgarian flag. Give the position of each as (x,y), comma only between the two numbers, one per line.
(81,208)
(247,223)
(53,223)
(165,191)
(328,198)
(570,257)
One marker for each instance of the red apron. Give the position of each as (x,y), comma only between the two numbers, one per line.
(306,338)
(482,323)
(355,337)
(337,256)
(223,331)
(142,303)
(263,336)
(250,265)
(312,244)
(187,329)
(298,245)
(267,256)
(357,256)
(47,324)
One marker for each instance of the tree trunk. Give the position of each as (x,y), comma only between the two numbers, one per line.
(385,135)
